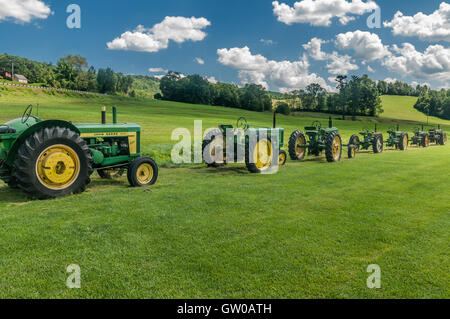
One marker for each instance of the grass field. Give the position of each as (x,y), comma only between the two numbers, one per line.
(309,231)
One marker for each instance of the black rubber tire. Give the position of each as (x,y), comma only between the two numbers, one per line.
(354,140)
(285,158)
(249,154)
(425,142)
(443,138)
(378,143)
(29,152)
(329,147)
(105,174)
(206,141)
(351,153)
(292,151)
(401,146)
(133,168)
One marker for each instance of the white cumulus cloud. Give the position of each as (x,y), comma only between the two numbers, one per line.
(433,27)
(321,12)
(282,75)
(365,45)
(338,64)
(432,64)
(22,11)
(177,29)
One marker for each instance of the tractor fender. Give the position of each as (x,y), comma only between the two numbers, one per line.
(31,130)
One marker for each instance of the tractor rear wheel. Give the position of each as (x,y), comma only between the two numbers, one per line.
(143,171)
(378,143)
(53,162)
(443,138)
(333,147)
(403,144)
(297,148)
(259,157)
(111,173)
(212,144)
(354,140)
(425,140)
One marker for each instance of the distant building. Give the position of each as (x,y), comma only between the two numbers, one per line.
(20,78)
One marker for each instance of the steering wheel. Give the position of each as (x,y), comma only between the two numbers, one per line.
(317,125)
(242,123)
(26,115)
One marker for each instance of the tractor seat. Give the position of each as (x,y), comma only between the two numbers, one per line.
(4,129)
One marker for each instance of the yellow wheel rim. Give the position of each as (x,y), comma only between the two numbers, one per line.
(58,167)
(405,142)
(144,173)
(281,159)
(262,155)
(427,141)
(336,148)
(353,152)
(299,149)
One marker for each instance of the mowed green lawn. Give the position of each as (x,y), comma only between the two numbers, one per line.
(309,231)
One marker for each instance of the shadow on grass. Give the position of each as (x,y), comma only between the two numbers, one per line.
(13,196)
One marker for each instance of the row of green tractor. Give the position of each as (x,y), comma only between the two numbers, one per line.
(53,158)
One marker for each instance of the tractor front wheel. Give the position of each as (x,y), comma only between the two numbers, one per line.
(351,151)
(53,162)
(143,171)
(282,158)
(333,147)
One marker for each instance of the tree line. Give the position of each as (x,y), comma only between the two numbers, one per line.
(356,96)
(196,90)
(73,72)
(434,103)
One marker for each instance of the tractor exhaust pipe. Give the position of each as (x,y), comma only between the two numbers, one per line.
(103,115)
(275,119)
(114,109)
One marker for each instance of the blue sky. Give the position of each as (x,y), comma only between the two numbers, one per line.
(237,27)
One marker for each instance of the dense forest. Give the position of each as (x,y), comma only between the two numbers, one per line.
(73,72)
(435,103)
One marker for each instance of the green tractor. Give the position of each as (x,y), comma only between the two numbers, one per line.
(315,140)
(243,143)
(420,137)
(438,136)
(397,139)
(53,158)
(371,139)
